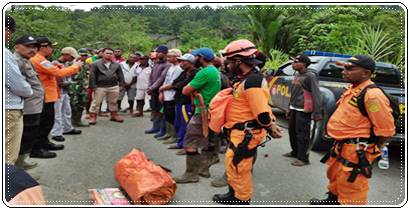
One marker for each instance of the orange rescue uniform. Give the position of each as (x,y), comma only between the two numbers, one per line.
(48,73)
(347,122)
(250,100)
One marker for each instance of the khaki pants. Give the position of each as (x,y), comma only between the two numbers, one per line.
(112,94)
(14,132)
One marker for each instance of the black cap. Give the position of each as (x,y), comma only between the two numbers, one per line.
(303,59)
(44,41)
(262,58)
(363,61)
(26,40)
(83,51)
(10,23)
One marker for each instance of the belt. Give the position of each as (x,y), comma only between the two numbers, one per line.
(357,140)
(252,124)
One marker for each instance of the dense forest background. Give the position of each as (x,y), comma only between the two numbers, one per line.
(279,31)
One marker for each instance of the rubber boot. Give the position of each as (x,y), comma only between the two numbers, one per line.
(205,164)
(116,118)
(229,198)
(173,133)
(192,168)
(214,156)
(168,129)
(220,181)
(155,125)
(77,120)
(131,109)
(21,162)
(93,118)
(140,107)
(330,200)
(162,127)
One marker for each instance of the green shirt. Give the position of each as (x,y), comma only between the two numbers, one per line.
(207,82)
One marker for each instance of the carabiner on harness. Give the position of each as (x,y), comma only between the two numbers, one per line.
(361,144)
(268,138)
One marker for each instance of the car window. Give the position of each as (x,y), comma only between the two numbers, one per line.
(288,70)
(387,76)
(331,70)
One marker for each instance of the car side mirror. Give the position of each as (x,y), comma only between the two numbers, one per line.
(278,72)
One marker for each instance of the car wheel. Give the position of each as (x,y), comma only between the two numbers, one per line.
(318,141)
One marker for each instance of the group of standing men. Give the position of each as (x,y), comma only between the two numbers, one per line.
(181,89)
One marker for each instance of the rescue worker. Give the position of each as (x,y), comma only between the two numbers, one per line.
(357,139)
(248,120)
(48,74)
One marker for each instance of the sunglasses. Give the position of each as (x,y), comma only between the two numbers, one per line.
(350,67)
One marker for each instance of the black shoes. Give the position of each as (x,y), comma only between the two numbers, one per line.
(330,200)
(58,138)
(52,146)
(73,132)
(42,153)
(229,198)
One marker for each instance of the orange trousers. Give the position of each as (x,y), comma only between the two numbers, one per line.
(240,177)
(349,193)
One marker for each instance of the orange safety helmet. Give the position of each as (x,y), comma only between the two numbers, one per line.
(241,47)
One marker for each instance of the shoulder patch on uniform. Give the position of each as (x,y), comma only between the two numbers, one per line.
(373,105)
(254,80)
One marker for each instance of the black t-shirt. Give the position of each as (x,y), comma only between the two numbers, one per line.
(179,83)
(17,180)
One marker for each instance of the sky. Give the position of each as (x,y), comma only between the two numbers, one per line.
(173,5)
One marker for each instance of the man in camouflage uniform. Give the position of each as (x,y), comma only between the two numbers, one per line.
(78,91)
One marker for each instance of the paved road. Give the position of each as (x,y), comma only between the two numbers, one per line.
(88,159)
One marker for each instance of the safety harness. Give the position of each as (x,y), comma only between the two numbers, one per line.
(362,167)
(242,151)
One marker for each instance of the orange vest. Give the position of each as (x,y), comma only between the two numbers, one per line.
(246,105)
(48,73)
(348,122)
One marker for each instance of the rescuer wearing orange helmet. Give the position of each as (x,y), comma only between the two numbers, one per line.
(248,118)
(358,138)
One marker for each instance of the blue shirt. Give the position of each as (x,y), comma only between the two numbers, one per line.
(17,88)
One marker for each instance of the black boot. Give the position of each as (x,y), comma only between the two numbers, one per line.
(330,200)
(229,198)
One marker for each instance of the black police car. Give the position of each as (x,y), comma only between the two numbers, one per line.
(387,76)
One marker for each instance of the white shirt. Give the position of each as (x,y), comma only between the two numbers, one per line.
(129,73)
(107,64)
(173,72)
(143,77)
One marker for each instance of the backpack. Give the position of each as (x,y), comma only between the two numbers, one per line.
(217,109)
(394,102)
(144,181)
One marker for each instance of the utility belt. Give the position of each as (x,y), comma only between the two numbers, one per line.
(362,167)
(242,151)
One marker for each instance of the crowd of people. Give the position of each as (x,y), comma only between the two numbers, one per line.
(50,98)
